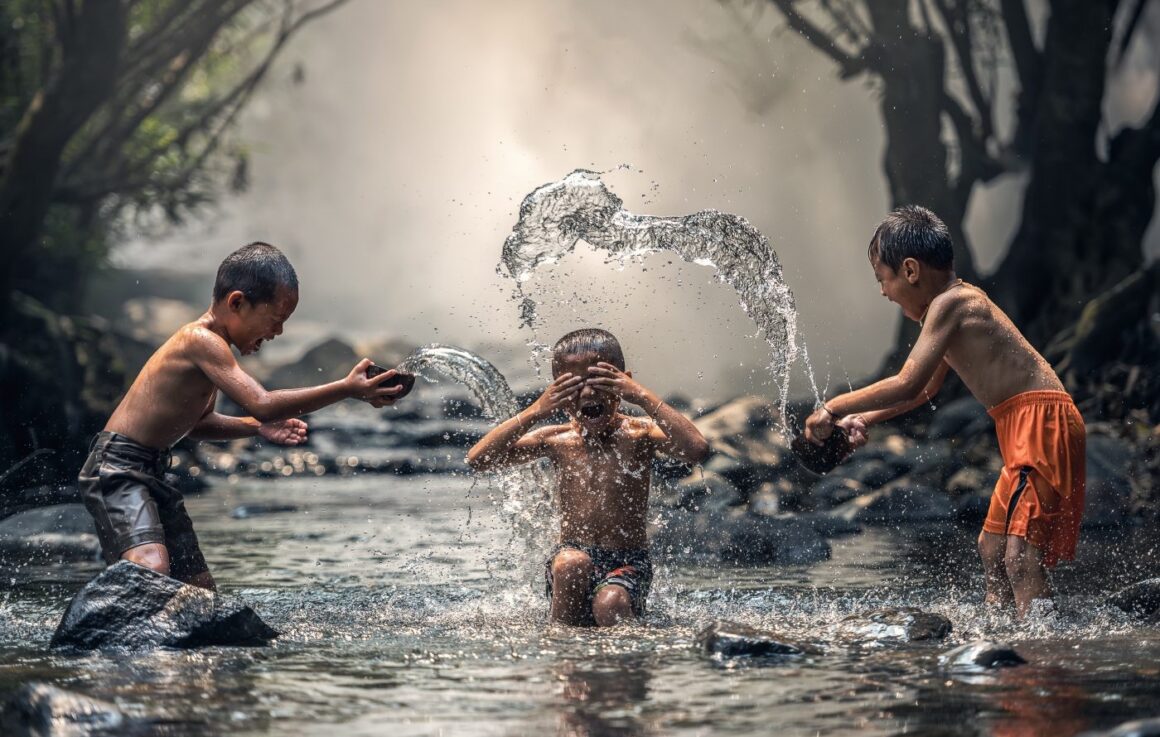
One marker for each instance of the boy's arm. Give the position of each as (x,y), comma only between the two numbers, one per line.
(675,434)
(905,388)
(927,394)
(510,443)
(215,426)
(213,356)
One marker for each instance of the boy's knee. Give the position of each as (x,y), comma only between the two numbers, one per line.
(571,564)
(153,556)
(611,605)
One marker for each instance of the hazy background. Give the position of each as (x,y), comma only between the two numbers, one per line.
(393,171)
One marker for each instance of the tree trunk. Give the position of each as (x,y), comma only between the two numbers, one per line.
(92,43)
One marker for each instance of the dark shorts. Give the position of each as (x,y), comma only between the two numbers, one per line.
(123,487)
(630,569)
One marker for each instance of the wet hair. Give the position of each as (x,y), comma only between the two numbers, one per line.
(256,270)
(584,341)
(914,232)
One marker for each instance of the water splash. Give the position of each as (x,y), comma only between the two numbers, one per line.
(555,216)
(527,490)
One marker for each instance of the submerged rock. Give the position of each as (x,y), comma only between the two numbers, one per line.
(756,539)
(129,606)
(245,511)
(906,624)
(55,534)
(980,655)
(38,709)
(731,640)
(899,502)
(1139,728)
(1141,599)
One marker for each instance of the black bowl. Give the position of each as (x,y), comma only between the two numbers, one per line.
(407,381)
(822,458)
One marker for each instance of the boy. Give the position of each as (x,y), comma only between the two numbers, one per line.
(600,572)
(1035,511)
(141,518)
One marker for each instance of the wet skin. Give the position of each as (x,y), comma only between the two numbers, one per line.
(603,462)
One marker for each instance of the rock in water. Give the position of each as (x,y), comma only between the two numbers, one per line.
(39,709)
(1141,728)
(732,640)
(1141,599)
(980,655)
(899,625)
(129,606)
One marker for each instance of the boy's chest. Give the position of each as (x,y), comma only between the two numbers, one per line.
(605,463)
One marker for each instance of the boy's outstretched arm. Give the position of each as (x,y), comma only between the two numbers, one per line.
(906,389)
(216,426)
(509,443)
(213,356)
(927,394)
(675,434)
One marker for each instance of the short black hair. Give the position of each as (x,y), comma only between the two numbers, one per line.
(914,232)
(256,270)
(588,340)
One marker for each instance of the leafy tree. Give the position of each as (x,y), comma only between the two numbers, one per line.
(117,109)
(950,123)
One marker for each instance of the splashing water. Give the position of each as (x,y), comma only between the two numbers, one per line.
(527,489)
(581,207)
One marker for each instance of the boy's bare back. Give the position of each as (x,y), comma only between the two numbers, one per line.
(982,345)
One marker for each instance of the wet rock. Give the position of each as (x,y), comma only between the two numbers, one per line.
(935,459)
(1141,599)
(829,525)
(128,606)
(832,491)
(40,710)
(56,534)
(960,419)
(970,480)
(871,472)
(705,492)
(753,539)
(731,640)
(901,502)
(1108,495)
(329,360)
(980,655)
(895,625)
(1139,728)
(246,511)
(745,435)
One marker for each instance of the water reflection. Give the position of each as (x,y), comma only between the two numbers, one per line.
(604,698)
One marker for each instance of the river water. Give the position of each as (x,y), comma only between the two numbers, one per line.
(407,608)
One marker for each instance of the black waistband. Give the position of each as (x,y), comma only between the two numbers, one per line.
(128,450)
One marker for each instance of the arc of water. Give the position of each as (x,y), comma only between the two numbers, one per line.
(556,216)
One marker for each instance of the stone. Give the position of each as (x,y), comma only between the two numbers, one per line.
(38,710)
(980,655)
(900,502)
(131,607)
(872,472)
(1141,599)
(959,419)
(330,360)
(906,624)
(245,511)
(59,533)
(732,640)
(970,480)
(1138,728)
(754,539)
(832,491)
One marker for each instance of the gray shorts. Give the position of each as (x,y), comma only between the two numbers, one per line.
(123,486)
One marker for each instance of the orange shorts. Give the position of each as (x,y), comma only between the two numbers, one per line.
(1039,496)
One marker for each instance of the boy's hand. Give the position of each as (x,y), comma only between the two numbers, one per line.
(559,393)
(607,378)
(368,389)
(855,428)
(284,432)
(819,425)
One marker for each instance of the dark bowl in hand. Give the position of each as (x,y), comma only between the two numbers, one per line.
(407,381)
(822,458)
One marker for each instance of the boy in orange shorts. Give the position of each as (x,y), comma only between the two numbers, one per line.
(1034,517)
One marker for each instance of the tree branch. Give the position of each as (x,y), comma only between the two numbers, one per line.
(958,27)
(849,64)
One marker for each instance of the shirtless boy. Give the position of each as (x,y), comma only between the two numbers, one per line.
(139,516)
(600,571)
(1035,511)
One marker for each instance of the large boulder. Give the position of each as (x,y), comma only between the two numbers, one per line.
(330,360)
(55,534)
(978,656)
(959,419)
(732,640)
(129,606)
(1141,599)
(40,710)
(753,539)
(872,472)
(747,438)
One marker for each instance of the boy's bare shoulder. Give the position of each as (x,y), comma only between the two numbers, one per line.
(554,434)
(961,303)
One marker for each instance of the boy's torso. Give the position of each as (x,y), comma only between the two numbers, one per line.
(168,397)
(603,484)
(989,353)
